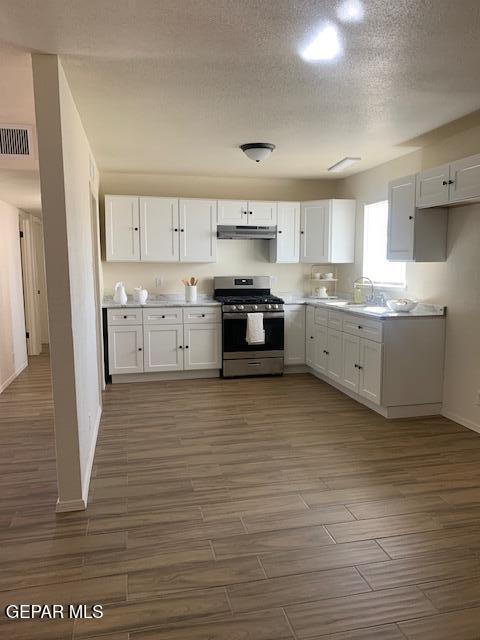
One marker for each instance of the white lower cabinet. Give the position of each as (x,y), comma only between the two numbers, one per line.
(163,347)
(320,351)
(370,367)
(125,349)
(294,334)
(169,339)
(202,347)
(310,336)
(351,357)
(334,349)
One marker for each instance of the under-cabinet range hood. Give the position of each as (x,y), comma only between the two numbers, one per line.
(243,232)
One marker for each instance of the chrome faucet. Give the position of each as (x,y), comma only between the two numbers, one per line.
(357,287)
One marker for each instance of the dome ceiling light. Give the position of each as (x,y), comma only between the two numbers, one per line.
(257,151)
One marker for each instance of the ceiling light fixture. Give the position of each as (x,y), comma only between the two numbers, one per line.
(343,164)
(351,11)
(257,151)
(325,46)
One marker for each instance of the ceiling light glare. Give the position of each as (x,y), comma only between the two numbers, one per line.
(325,46)
(351,11)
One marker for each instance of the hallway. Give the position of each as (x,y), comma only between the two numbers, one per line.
(265,509)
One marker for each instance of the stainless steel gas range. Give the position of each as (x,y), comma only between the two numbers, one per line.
(240,296)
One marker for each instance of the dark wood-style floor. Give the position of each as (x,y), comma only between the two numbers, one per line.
(252,509)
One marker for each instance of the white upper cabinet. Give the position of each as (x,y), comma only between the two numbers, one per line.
(262,213)
(465,179)
(327,231)
(432,187)
(286,246)
(198,230)
(418,235)
(452,183)
(232,212)
(159,230)
(243,212)
(122,229)
(401,213)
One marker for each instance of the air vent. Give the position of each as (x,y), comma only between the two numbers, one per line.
(15,141)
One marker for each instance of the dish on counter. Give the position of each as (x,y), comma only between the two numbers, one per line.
(401,304)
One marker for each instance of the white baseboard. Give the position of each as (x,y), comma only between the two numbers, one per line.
(166,375)
(11,378)
(296,368)
(91,456)
(463,421)
(70,505)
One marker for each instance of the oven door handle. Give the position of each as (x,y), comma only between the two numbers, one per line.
(229,315)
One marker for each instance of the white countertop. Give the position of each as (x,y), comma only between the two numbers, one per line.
(162,301)
(422,310)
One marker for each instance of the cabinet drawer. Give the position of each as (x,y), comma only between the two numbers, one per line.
(124,316)
(335,320)
(192,315)
(163,315)
(321,316)
(371,329)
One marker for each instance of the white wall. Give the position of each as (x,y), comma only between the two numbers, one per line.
(454,283)
(68,175)
(13,347)
(245,257)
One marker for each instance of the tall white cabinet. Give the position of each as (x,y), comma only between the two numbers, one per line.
(327,231)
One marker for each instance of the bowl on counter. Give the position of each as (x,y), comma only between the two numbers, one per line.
(401,304)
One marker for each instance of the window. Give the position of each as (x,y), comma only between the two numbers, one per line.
(375,265)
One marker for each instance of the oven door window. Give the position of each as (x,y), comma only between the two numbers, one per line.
(235,332)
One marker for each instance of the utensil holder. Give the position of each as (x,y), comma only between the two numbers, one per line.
(190,293)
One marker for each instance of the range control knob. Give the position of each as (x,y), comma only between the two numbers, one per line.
(269,306)
(240,306)
(255,306)
(275,306)
(234,308)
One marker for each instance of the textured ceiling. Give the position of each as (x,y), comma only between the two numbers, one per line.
(174,86)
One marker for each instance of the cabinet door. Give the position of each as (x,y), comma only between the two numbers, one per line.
(198,230)
(320,352)
(163,347)
(314,230)
(288,232)
(294,334)
(433,186)
(335,355)
(370,370)
(262,213)
(159,229)
(351,359)
(125,344)
(310,336)
(122,229)
(465,179)
(401,219)
(203,346)
(232,212)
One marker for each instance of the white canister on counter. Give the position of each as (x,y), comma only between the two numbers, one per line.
(140,295)
(190,293)
(120,295)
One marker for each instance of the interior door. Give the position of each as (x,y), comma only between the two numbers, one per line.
(321,344)
(288,232)
(163,347)
(262,213)
(159,230)
(433,186)
(122,228)
(335,355)
(401,219)
(198,230)
(370,370)
(314,226)
(232,212)
(465,179)
(203,346)
(125,349)
(351,359)
(310,336)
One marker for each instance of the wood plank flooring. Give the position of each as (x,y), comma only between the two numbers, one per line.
(252,509)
